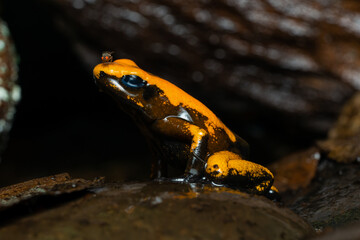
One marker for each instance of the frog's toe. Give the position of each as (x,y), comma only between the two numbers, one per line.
(187,178)
(177,179)
(273,194)
(264,185)
(193,178)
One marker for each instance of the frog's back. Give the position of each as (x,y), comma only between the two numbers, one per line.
(178,97)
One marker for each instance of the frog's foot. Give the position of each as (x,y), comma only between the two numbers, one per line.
(230,169)
(183,179)
(189,178)
(192,178)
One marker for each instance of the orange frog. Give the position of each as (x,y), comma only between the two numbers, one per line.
(180,130)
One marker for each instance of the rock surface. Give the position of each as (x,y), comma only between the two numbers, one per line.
(161,211)
(296,57)
(46,186)
(322,184)
(332,198)
(344,138)
(295,171)
(347,233)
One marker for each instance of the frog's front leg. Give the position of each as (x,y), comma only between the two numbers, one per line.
(184,130)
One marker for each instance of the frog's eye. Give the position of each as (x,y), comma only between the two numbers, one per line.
(133,81)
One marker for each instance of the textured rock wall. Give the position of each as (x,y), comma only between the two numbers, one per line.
(300,58)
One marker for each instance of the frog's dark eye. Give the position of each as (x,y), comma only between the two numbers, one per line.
(133,81)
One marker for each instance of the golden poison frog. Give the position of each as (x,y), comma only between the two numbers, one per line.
(181,130)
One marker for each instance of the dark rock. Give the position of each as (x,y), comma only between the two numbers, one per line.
(298,58)
(162,211)
(54,185)
(331,200)
(346,233)
(328,198)
(343,142)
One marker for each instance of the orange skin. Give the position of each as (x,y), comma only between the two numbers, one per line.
(181,131)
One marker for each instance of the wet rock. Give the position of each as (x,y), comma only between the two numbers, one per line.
(332,198)
(9,89)
(297,58)
(347,233)
(344,138)
(162,211)
(322,191)
(46,186)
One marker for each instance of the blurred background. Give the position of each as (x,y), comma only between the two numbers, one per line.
(276,72)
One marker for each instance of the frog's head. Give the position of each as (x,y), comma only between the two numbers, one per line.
(124,81)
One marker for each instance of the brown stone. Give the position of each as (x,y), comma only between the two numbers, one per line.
(343,144)
(161,211)
(331,200)
(295,171)
(52,185)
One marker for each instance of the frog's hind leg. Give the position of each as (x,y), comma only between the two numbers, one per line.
(230,169)
(251,174)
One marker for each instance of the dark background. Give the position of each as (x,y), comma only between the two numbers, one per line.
(64,124)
